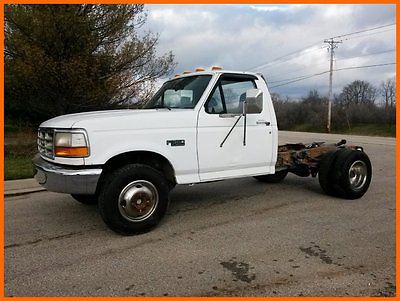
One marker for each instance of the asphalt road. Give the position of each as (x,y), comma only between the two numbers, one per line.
(231,238)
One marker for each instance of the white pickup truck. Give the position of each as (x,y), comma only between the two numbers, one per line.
(199,127)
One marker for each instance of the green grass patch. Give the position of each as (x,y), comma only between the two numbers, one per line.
(370,130)
(18,168)
(18,160)
(11,128)
(307,128)
(357,129)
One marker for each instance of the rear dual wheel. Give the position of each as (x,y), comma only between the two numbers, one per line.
(345,173)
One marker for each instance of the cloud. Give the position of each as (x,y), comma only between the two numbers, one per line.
(240,37)
(268,8)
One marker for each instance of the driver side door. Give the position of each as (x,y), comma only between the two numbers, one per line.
(233,158)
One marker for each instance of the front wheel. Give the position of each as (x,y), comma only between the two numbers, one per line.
(133,199)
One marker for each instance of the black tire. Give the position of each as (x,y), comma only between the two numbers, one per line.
(87,199)
(325,175)
(146,183)
(352,174)
(273,178)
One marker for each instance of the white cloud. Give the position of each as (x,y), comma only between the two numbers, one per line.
(243,36)
(267,8)
(272,8)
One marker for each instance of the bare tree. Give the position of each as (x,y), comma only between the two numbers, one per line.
(355,100)
(388,93)
(358,92)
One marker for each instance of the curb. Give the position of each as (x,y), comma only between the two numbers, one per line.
(22,192)
(21,187)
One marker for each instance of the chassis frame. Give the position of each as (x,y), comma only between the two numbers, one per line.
(304,159)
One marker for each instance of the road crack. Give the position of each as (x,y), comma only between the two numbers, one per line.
(58,237)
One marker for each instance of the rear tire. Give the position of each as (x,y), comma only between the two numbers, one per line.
(345,173)
(325,176)
(273,178)
(86,199)
(133,199)
(352,174)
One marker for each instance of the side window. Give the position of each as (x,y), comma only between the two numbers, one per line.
(214,104)
(235,93)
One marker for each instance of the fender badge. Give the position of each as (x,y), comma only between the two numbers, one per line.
(176,142)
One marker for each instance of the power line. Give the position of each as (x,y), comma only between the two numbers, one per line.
(279,59)
(292,78)
(368,54)
(365,66)
(341,59)
(272,64)
(369,34)
(274,80)
(361,31)
(296,79)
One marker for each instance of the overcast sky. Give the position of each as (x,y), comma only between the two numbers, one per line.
(241,37)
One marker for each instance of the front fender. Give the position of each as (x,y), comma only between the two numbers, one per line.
(183,158)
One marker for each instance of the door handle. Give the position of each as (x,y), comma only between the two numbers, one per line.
(263,122)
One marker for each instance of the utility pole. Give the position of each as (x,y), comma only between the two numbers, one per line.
(332,45)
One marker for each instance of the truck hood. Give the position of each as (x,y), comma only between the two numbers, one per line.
(124,119)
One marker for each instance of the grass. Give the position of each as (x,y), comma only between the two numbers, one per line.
(19,150)
(18,168)
(372,130)
(357,129)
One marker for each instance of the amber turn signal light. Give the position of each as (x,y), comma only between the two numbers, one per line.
(71,151)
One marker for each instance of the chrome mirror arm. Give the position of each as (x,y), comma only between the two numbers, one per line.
(230,131)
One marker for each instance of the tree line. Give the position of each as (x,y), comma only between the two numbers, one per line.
(62,59)
(359,103)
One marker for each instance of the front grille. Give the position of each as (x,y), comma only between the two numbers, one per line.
(45,142)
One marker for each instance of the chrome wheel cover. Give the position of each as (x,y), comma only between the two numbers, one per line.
(358,175)
(138,200)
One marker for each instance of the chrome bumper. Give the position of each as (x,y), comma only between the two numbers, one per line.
(59,179)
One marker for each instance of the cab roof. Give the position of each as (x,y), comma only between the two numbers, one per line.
(213,72)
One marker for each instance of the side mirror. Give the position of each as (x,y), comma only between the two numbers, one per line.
(254,101)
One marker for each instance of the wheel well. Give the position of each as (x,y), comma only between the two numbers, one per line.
(152,159)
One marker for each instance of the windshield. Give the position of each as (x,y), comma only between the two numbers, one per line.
(182,93)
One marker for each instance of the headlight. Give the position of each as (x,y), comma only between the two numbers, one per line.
(71,144)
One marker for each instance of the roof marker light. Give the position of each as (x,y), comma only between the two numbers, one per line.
(214,68)
(186,72)
(200,69)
